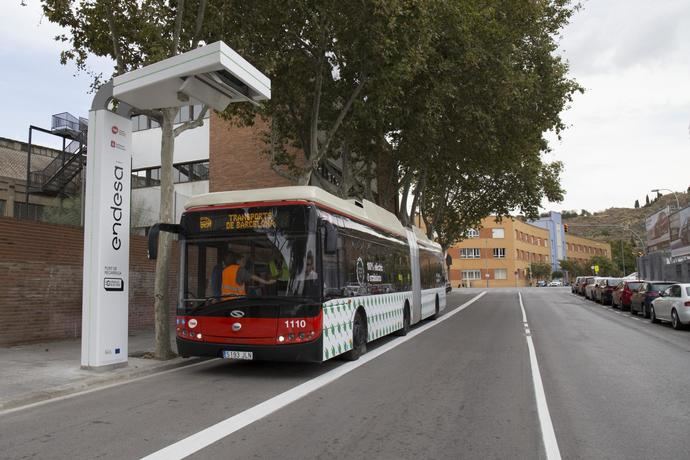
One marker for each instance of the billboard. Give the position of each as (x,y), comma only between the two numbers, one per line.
(680,233)
(658,227)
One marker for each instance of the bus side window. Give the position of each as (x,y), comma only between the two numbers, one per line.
(331,269)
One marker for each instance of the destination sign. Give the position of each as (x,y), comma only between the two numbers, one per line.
(240,220)
(262,220)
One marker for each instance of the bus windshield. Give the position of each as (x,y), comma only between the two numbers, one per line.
(257,254)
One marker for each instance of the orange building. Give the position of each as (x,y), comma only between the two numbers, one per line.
(582,249)
(500,253)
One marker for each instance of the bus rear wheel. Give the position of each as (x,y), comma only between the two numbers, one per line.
(359,338)
(406,321)
(438,309)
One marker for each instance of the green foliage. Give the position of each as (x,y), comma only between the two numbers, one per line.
(422,96)
(557,275)
(67,212)
(637,204)
(443,102)
(646,200)
(569,214)
(585,213)
(623,253)
(540,270)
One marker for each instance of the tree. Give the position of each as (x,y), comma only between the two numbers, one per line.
(606,265)
(540,270)
(557,275)
(623,256)
(136,33)
(637,204)
(646,200)
(420,96)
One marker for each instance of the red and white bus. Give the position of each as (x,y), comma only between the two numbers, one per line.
(297,274)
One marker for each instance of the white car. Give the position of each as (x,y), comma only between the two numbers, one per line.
(673,304)
(555,283)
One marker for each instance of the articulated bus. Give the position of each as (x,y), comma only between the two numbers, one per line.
(297,274)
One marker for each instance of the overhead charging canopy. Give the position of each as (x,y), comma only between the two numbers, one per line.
(214,75)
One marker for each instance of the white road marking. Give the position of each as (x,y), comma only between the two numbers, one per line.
(547,432)
(214,433)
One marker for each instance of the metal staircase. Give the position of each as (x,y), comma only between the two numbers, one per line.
(58,177)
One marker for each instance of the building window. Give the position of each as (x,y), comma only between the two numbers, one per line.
(185,172)
(499,253)
(2,208)
(35,211)
(471,274)
(500,274)
(470,253)
(497,233)
(472,233)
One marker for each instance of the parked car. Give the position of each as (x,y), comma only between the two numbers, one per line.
(541,283)
(623,292)
(604,290)
(641,299)
(591,285)
(574,286)
(555,283)
(582,284)
(673,304)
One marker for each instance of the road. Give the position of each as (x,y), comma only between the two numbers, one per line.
(459,387)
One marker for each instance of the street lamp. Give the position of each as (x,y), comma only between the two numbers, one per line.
(657,190)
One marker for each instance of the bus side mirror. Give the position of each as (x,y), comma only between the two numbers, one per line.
(154,231)
(153,241)
(331,239)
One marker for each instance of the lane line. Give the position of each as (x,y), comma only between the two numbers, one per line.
(220,430)
(547,432)
(102,387)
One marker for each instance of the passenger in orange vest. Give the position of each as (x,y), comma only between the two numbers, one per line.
(235,276)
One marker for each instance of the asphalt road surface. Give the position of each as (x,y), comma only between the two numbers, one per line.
(459,387)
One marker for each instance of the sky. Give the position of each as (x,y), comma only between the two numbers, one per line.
(627,134)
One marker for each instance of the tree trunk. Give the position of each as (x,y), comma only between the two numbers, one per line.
(161,298)
(386,180)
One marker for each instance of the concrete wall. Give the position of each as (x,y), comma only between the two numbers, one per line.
(146,202)
(191,145)
(41,273)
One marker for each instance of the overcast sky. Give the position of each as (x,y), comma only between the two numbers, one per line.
(629,132)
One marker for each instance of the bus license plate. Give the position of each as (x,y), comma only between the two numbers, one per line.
(227,354)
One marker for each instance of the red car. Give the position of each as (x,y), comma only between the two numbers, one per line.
(623,293)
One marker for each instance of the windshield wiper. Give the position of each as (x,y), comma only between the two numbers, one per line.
(210,301)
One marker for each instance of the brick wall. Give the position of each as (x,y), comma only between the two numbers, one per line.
(41,282)
(237,160)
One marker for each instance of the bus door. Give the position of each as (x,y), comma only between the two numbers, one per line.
(416,313)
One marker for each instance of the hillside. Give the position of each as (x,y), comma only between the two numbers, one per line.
(601,225)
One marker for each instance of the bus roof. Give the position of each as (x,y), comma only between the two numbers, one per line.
(363,210)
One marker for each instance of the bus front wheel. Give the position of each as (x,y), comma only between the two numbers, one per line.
(359,337)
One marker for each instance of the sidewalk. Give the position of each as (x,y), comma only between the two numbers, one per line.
(41,371)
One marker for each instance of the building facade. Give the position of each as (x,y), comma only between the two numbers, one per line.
(500,253)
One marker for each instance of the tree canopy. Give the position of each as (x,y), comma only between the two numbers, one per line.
(443,104)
